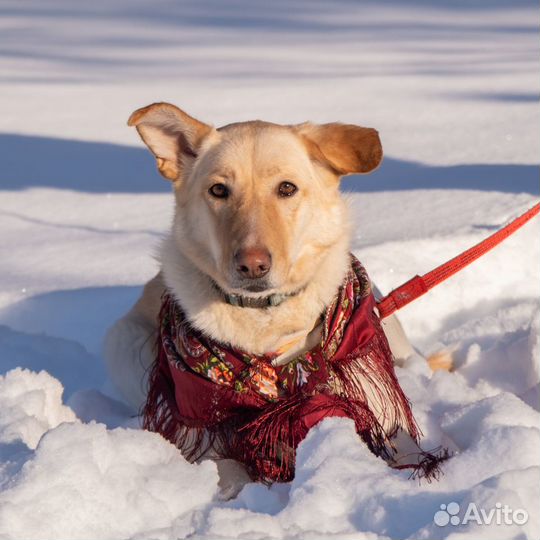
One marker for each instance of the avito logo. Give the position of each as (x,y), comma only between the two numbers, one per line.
(500,514)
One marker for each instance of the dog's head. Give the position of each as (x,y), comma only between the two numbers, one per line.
(258,204)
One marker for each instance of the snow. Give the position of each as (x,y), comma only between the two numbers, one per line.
(452,88)
(84,481)
(30,405)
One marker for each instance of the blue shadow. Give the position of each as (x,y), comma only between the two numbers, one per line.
(29,161)
(396,175)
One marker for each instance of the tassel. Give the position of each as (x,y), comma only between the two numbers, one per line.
(429,465)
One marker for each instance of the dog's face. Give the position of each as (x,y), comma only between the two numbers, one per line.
(258,204)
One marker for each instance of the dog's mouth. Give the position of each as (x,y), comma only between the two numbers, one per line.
(254,286)
(257,287)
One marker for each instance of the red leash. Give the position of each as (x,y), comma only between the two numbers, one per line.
(419,285)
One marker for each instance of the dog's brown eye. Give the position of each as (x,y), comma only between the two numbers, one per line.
(220,191)
(286,189)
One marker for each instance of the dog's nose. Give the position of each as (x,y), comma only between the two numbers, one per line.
(253,262)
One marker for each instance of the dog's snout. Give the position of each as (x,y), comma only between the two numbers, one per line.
(253,263)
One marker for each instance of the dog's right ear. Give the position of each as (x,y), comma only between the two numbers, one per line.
(172,136)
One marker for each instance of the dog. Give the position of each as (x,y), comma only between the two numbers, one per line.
(259,244)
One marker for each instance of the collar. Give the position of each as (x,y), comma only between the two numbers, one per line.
(260,302)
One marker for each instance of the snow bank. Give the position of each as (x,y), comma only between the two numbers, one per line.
(84,481)
(30,405)
(90,482)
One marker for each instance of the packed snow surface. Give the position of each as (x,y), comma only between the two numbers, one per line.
(452,88)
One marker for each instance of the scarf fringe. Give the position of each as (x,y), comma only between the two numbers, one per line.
(269,442)
(369,370)
(160,413)
(367,374)
(266,445)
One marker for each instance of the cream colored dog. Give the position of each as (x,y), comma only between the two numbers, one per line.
(259,244)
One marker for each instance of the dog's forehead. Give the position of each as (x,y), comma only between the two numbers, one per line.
(258,144)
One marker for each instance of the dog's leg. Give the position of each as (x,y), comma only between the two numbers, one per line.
(232,478)
(402,349)
(399,343)
(129,345)
(401,346)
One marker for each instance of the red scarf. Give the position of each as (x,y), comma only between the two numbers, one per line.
(206,394)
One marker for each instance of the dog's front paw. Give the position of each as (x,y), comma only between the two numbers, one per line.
(232,478)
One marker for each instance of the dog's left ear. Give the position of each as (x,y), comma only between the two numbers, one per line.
(172,136)
(344,148)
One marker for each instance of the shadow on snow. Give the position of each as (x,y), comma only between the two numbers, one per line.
(30,161)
